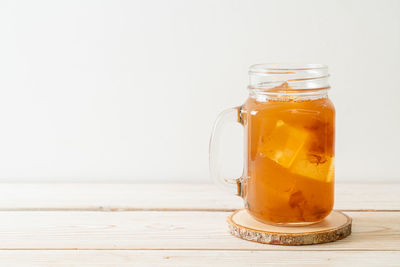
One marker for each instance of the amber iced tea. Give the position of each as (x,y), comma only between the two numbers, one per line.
(289,125)
(290,159)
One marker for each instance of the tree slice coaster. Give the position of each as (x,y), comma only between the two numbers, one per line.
(335,226)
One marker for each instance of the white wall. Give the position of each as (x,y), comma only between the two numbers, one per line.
(128,90)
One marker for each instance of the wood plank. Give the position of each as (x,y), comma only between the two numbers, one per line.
(170,230)
(125,197)
(191,258)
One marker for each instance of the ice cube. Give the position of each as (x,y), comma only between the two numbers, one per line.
(318,167)
(283,144)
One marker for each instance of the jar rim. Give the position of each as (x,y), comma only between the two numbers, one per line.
(264,67)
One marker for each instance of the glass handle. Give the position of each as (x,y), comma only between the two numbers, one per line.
(227,116)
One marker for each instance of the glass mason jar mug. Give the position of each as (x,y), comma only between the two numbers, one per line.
(289,125)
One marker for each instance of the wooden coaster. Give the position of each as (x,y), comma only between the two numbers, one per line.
(335,226)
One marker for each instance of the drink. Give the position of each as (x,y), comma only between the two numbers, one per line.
(290,159)
(289,126)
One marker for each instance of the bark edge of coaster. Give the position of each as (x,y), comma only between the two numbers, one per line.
(335,226)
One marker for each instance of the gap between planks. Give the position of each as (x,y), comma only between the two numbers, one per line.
(284,248)
(105,209)
(197,258)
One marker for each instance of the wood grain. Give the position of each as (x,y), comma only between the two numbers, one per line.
(177,225)
(334,227)
(192,258)
(170,230)
(191,197)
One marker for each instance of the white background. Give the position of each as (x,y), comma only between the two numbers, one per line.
(128,90)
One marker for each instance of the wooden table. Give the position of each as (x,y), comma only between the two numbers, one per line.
(177,225)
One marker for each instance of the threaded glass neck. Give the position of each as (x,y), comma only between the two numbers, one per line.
(288,79)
